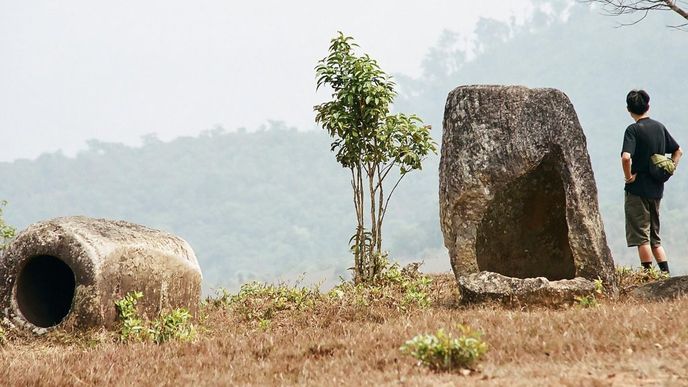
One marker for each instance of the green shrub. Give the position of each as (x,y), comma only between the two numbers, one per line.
(393,287)
(442,352)
(132,326)
(396,287)
(174,325)
(590,300)
(6,232)
(264,325)
(416,292)
(260,302)
(630,278)
(222,299)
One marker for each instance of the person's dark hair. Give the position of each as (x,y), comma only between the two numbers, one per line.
(638,102)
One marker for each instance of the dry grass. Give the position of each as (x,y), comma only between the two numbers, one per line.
(333,342)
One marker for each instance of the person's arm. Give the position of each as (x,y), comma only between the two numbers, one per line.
(676,156)
(673,147)
(627,151)
(626,165)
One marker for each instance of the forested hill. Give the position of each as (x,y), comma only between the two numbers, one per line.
(274,202)
(262,205)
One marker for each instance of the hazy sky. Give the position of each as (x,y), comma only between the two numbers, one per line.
(117,70)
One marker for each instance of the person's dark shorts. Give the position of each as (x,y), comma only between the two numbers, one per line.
(642,221)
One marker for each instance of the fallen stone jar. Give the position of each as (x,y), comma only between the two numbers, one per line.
(68,272)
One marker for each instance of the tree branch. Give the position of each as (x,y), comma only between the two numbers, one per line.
(672,5)
(384,209)
(385,172)
(626,7)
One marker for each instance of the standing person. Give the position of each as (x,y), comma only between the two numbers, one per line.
(643,193)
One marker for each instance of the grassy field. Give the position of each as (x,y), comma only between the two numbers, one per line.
(351,336)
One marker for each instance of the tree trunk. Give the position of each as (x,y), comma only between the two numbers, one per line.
(380,211)
(359,237)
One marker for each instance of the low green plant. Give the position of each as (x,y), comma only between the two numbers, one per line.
(589,301)
(260,302)
(132,325)
(400,287)
(416,292)
(175,325)
(443,352)
(630,278)
(6,232)
(222,298)
(393,287)
(264,324)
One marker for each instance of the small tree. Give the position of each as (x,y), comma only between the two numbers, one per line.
(643,8)
(6,232)
(369,141)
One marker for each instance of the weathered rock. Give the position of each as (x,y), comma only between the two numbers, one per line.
(517,191)
(68,272)
(488,286)
(662,290)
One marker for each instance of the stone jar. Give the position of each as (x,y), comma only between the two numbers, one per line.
(68,272)
(517,190)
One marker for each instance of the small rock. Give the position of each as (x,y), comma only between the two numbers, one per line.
(664,289)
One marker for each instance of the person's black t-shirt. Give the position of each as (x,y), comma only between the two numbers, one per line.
(643,139)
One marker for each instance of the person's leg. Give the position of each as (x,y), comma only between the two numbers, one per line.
(645,254)
(659,254)
(638,227)
(660,257)
(655,240)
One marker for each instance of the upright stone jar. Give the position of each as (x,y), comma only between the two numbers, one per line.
(517,190)
(68,272)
